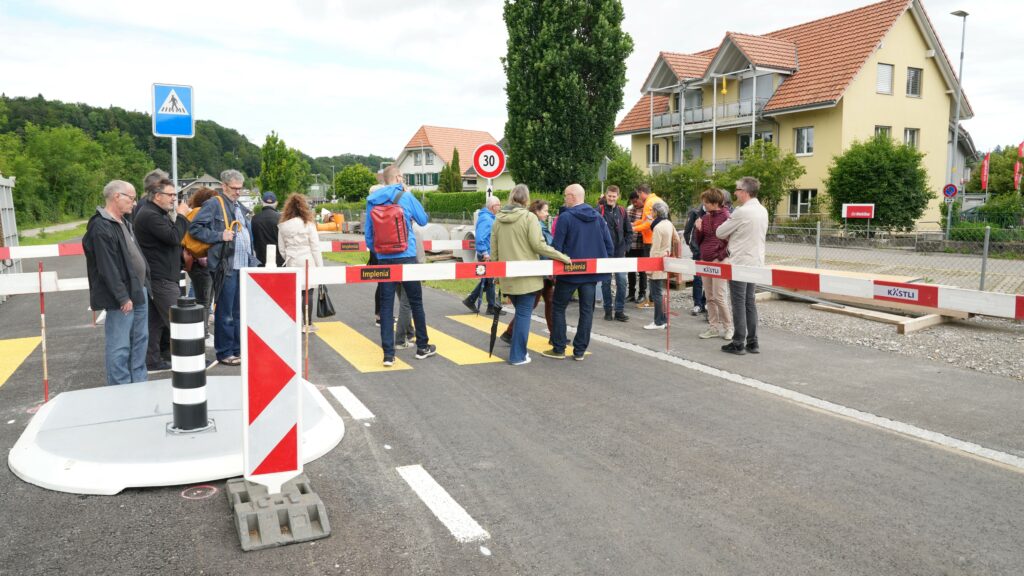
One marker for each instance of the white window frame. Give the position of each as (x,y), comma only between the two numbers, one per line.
(766,135)
(880,84)
(657,154)
(808,150)
(920,81)
(430,157)
(912,137)
(417,160)
(804,198)
(887,130)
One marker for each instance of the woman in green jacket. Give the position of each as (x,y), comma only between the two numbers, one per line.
(517,236)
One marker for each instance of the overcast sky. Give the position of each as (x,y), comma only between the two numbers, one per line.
(361,76)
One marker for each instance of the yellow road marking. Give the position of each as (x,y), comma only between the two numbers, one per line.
(458,351)
(536,342)
(362,353)
(15,351)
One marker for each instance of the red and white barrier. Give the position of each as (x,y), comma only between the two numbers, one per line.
(271,385)
(926,295)
(42,251)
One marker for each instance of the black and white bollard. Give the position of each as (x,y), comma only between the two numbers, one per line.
(188,366)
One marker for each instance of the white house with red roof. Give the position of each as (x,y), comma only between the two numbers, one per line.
(432,147)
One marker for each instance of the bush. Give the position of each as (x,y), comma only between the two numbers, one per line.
(975,232)
(354,182)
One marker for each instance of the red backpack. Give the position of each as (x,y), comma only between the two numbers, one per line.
(390,235)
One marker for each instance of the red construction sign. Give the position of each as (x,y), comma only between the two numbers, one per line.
(271,381)
(863,211)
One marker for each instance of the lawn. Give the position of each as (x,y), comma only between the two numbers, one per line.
(53,237)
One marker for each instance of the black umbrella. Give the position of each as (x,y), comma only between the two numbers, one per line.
(494,323)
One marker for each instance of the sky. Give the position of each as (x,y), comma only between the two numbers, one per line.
(360,76)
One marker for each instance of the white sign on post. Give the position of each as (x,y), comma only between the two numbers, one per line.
(489,162)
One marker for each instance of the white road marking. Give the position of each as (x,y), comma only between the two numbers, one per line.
(448,511)
(387,446)
(10,421)
(864,417)
(349,402)
(367,424)
(485,550)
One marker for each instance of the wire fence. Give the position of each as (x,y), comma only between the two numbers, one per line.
(981,258)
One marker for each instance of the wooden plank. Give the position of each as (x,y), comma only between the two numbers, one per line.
(862,313)
(915,324)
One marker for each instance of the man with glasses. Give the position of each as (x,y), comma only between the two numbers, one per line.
(746,231)
(118,283)
(231,250)
(159,227)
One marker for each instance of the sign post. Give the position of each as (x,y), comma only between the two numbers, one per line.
(489,162)
(602,173)
(173,117)
(949,192)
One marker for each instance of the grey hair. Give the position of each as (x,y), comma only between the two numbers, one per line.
(491,201)
(660,209)
(749,184)
(520,195)
(231,175)
(115,187)
(150,181)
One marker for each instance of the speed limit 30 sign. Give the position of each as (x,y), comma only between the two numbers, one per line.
(489,161)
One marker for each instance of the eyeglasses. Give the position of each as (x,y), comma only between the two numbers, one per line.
(165,194)
(130,197)
(236,188)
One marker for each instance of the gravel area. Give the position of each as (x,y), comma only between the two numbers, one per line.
(990,345)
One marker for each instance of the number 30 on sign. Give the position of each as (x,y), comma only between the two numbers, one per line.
(489,161)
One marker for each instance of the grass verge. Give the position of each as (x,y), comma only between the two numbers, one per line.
(53,237)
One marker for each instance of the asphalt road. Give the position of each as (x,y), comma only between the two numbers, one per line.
(626,463)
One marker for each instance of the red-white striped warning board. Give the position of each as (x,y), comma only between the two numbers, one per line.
(271,382)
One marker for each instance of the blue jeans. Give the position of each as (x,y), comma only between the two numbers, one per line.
(521,328)
(127,336)
(485,286)
(698,292)
(657,288)
(227,318)
(414,291)
(620,292)
(563,292)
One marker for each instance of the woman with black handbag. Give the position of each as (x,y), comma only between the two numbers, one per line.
(299,243)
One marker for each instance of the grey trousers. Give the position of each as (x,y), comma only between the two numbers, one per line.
(744,312)
(404,329)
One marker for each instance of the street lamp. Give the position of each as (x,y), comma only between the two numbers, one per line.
(956,128)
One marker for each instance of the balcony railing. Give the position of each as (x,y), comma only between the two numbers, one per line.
(721,164)
(726,111)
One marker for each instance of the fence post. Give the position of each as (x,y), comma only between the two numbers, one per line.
(984,257)
(817,247)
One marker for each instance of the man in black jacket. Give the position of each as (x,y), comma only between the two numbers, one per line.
(621,230)
(159,227)
(264,229)
(118,283)
(699,302)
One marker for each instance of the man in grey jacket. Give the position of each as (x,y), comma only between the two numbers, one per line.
(746,231)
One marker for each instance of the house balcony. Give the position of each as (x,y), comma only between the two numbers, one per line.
(697,118)
(720,165)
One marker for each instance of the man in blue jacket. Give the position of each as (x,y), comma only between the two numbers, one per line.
(414,290)
(581,233)
(484,224)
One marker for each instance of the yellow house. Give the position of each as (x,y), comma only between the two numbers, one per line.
(812,89)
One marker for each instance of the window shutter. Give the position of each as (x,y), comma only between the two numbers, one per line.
(884,83)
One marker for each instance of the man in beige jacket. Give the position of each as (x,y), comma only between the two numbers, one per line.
(746,231)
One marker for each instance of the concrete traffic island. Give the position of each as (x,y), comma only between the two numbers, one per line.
(103,440)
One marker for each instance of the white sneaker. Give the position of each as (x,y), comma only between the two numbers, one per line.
(653,326)
(728,334)
(709,333)
(527,360)
(405,344)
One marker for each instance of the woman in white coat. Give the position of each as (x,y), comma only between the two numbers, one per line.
(299,242)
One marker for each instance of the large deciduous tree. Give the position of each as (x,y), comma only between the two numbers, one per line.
(282,169)
(565,73)
(881,172)
(354,182)
(776,171)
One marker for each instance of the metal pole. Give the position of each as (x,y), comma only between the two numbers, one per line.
(956,127)
(650,146)
(753,106)
(42,333)
(984,257)
(174,163)
(714,124)
(817,247)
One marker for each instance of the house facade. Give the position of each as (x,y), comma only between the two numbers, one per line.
(812,89)
(432,148)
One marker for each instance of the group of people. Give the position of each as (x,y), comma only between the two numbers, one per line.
(519,231)
(136,249)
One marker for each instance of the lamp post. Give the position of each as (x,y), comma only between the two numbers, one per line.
(956,128)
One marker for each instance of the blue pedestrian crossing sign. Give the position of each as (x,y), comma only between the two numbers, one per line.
(172,111)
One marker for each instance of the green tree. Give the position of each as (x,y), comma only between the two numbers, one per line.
(622,172)
(565,72)
(455,173)
(122,159)
(282,169)
(1000,172)
(354,182)
(882,172)
(776,171)
(681,187)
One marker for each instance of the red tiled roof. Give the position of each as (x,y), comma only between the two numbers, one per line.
(829,54)
(444,140)
(639,118)
(767,52)
(687,65)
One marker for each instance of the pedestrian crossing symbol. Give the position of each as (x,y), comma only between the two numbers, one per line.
(173,111)
(172,105)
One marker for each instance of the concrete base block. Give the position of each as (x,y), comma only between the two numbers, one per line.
(268,520)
